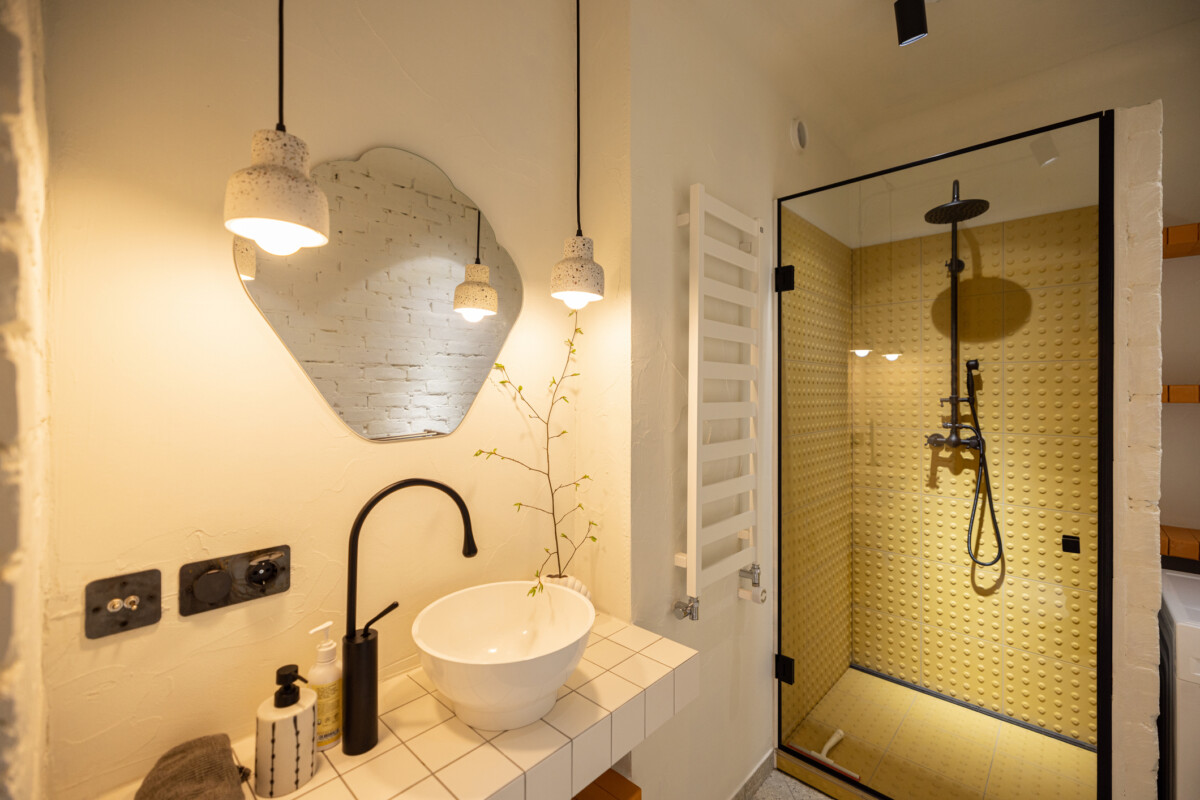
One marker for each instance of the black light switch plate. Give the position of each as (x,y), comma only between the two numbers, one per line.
(1070,544)
(122,603)
(219,582)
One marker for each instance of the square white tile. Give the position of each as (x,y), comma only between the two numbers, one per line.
(591,754)
(606,625)
(416,717)
(481,774)
(438,746)
(634,638)
(398,690)
(530,745)
(487,736)
(551,778)
(667,652)
(594,637)
(325,774)
(344,763)
(641,670)
(609,691)
(332,790)
(687,682)
(583,673)
(660,702)
(428,789)
(628,725)
(607,653)
(574,714)
(384,777)
(562,692)
(422,678)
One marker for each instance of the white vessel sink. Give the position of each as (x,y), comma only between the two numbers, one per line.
(500,655)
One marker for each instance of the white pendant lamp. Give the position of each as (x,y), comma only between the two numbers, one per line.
(274,201)
(475,298)
(577,280)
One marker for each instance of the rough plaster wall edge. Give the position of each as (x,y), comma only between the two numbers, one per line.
(1137,450)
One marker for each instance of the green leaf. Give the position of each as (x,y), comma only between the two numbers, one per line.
(504,383)
(586,477)
(565,400)
(518,505)
(563,535)
(478,452)
(590,523)
(574,374)
(532,591)
(593,538)
(519,387)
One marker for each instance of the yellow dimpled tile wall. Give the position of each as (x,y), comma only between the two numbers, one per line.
(1018,637)
(816,481)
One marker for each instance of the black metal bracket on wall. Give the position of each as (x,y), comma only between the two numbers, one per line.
(218,582)
(785,278)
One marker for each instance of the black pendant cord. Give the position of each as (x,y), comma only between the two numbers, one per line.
(279,125)
(578,216)
(478,223)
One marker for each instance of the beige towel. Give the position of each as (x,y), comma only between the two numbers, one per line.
(202,769)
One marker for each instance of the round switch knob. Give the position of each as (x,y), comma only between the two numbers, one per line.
(213,586)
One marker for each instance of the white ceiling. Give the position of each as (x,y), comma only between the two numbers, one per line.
(840,62)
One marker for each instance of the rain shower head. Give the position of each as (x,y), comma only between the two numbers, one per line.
(956,210)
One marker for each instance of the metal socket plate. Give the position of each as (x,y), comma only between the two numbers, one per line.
(122,603)
(239,568)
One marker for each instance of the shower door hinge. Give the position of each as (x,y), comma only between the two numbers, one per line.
(785,278)
(785,669)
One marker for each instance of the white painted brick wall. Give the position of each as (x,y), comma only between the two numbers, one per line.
(23,400)
(1137,450)
(370,316)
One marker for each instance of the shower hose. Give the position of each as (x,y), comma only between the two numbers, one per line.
(982,476)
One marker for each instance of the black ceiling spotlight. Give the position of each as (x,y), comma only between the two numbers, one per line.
(910,21)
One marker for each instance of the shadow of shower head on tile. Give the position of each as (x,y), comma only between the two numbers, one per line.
(990,309)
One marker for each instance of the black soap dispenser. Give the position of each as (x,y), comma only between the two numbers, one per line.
(360,687)
(285,753)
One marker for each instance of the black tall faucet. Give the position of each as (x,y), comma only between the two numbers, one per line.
(360,648)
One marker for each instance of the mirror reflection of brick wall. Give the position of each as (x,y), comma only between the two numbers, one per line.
(370,316)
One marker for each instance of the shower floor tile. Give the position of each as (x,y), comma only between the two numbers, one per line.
(910,745)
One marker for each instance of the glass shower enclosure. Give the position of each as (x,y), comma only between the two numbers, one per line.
(944,392)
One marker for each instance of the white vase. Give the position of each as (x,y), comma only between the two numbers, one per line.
(569,582)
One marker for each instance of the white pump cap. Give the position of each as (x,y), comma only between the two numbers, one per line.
(326,650)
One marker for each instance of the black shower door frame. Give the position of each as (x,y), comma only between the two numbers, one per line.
(1104,430)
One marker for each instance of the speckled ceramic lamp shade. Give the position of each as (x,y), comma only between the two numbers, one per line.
(244,258)
(274,201)
(577,280)
(475,298)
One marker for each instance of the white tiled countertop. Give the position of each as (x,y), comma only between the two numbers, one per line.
(629,683)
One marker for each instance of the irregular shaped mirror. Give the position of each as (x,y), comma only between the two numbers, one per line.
(370,316)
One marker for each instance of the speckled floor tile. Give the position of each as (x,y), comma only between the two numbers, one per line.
(784,787)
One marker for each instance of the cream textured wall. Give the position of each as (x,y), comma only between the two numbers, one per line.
(1137,447)
(23,401)
(183,429)
(700,113)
